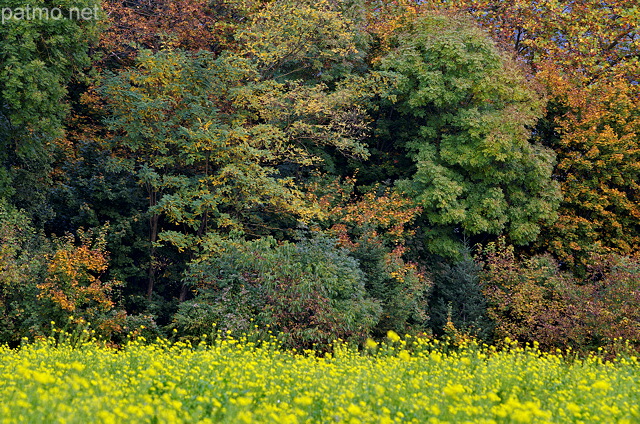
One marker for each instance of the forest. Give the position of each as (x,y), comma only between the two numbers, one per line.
(322,170)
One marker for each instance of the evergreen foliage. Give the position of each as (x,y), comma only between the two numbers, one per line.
(457,298)
(39,60)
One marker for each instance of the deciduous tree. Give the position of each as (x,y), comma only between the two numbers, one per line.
(39,58)
(586,54)
(463,113)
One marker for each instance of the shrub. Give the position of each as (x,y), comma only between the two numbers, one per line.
(74,285)
(532,299)
(43,281)
(309,293)
(613,284)
(22,265)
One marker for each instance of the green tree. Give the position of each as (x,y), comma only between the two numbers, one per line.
(586,56)
(219,141)
(88,193)
(463,114)
(22,265)
(309,40)
(39,58)
(179,135)
(206,137)
(457,297)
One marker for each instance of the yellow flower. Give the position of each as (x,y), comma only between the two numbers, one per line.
(303,400)
(454,390)
(404,355)
(43,378)
(371,344)
(601,385)
(354,409)
(573,408)
(244,401)
(393,336)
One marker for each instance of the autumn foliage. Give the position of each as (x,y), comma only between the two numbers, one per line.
(75,283)
(74,276)
(585,54)
(532,299)
(375,227)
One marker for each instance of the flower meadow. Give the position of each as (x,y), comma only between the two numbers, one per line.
(236,381)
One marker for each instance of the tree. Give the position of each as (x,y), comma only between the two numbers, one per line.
(206,137)
(294,40)
(39,58)
(192,25)
(22,264)
(586,56)
(463,115)
(219,140)
(457,298)
(199,165)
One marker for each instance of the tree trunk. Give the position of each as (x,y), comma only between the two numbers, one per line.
(153,237)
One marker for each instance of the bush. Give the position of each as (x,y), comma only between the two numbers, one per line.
(532,299)
(22,265)
(43,281)
(74,284)
(309,293)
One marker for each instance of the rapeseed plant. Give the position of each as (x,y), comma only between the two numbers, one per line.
(237,381)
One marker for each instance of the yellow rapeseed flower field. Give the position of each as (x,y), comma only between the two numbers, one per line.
(235,381)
